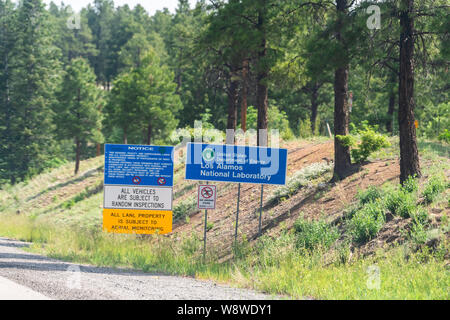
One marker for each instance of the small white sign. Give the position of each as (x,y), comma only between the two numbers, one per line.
(207,197)
(138,198)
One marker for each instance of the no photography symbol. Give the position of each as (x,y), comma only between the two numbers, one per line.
(207,192)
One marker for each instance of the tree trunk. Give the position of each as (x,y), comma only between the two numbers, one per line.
(342,161)
(77,139)
(314,107)
(149,134)
(77,154)
(244,104)
(125,135)
(261,88)
(391,109)
(233,100)
(409,155)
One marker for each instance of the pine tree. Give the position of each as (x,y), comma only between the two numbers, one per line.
(77,111)
(145,99)
(7,29)
(31,90)
(74,37)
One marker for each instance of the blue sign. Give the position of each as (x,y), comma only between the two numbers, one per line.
(231,163)
(138,165)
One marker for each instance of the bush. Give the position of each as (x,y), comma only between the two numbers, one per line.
(371,194)
(418,234)
(435,186)
(370,141)
(401,203)
(304,128)
(314,234)
(411,184)
(445,136)
(367,221)
(277,120)
(420,216)
(184,208)
(300,179)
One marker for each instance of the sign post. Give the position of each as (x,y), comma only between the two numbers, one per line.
(260,210)
(206,229)
(138,189)
(206,200)
(237,214)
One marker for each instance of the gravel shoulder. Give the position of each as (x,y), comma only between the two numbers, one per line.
(65,281)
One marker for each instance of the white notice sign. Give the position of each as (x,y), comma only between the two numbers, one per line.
(138,198)
(207,197)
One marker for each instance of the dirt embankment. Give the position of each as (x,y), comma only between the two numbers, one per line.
(327,202)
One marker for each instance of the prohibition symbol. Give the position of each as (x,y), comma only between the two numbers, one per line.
(136,180)
(161,181)
(207,192)
(207,197)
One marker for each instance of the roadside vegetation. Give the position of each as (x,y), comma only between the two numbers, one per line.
(320,258)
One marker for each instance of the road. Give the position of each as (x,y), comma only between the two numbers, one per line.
(25,275)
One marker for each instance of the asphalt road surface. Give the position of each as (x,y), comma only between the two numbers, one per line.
(26,275)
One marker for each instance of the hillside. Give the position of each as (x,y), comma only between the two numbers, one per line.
(61,201)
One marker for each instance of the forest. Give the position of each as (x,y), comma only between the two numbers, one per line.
(71,81)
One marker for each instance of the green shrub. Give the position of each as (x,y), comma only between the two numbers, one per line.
(411,184)
(418,233)
(184,208)
(277,120)
(347,141)
(434,187)
(314,234)
(445,136)
(370,141)
(401,203)
(304,128)
(367,221)
(420,216)
(209,226)
(371,194)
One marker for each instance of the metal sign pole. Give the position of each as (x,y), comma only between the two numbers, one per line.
(260,210)
(237,214)
(204,235)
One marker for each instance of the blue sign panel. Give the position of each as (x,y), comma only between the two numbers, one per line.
(138,165)
(231,163)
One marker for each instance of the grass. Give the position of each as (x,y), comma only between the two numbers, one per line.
(304,275)
(275,266)
(314,234)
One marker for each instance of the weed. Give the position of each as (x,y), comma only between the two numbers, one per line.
(411,184)
(367,221)
(371,194)
(184,208)
(298,180)
(433,188)
(401,203)
(418,233)
(313,234)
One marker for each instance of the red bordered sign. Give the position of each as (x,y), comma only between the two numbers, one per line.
(206,197)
